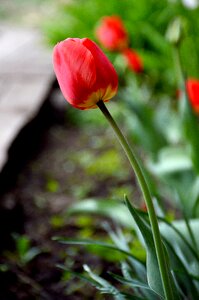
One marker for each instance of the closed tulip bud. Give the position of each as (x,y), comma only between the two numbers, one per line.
(84,73)
(192,86)
(133,60)
(112,34)
(176,31)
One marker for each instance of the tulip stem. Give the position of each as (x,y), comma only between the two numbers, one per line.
(179,73)
(163,266)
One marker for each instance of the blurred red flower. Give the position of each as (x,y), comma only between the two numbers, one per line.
(143,207)
(84,73)
(112,34)
(133,60)
(192,86)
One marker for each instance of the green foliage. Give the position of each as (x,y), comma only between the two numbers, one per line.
(52,185)
(190,129)
(146,22)
(57,221)
(110,159)
(142,278)
(104,207)
(166,134)
(24,251)
(153,272)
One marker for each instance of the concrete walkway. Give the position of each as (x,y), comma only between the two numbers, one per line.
(26,76)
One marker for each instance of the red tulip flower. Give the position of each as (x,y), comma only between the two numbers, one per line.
(192,86)
(112,34)
(133,60)
(84,73)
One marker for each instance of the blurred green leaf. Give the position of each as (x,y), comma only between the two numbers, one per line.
(24,250)
(89,242)
(171,160)
(191,130)
(57,221)
(105,207)
(22,244)
(52,185)
(170,234)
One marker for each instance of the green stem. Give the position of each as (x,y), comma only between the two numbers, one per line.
(192,237)
(181,78)
(179,73)
(182,84)
(164,271)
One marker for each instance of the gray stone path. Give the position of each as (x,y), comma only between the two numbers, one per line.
(26,76)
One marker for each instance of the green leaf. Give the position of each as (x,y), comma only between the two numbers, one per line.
(153,273)
(183,256)
(30,254)
(171,160)
(105,286)
(191,130)
(87,242)
(140,119)
(174,233)
(128,270)
(155,38)
(132,282)
(105,207)
(132,267)
(52,186)
(22,244)
(181,273)
(98,282)
(80,276)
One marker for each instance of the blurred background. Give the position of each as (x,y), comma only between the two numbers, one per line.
(60,166)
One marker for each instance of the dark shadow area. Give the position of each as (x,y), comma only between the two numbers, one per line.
(24,148)
(29,141)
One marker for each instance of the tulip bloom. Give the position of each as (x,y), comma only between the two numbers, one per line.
(133,60)
(192,86)
(112,34)
(84,73)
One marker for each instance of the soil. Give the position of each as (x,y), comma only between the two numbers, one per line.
(42,178)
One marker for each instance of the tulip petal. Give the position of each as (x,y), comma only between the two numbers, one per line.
(192,86)
(75,69)
(107,80)
(133,60)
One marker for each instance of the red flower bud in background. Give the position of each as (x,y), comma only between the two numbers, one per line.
(192,86)
(84,73)
(143,207)
(133,60)
(112,34)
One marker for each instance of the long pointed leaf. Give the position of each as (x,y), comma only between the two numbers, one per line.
(153,273)
(87,242)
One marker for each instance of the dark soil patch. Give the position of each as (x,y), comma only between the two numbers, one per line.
(44,176)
